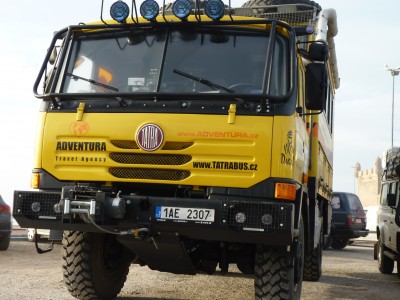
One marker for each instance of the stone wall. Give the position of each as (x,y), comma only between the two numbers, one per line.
(369,183)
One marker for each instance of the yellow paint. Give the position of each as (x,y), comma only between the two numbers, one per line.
(222,154)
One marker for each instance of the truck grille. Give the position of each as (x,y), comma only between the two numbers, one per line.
(23,204)
(151,174)
(128,144)
(279,215)
(150,159)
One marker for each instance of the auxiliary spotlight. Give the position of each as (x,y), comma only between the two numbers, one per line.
(182,8)
(119,11)
(214,9)
(149,10)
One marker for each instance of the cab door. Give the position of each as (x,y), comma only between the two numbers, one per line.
(384,215)
(393,228)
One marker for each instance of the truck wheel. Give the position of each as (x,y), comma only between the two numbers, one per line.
(339,243)
(313,262)
(95,265)
(386,265)
(274,277)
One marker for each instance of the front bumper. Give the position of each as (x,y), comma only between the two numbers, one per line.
(350,233)
(35,209)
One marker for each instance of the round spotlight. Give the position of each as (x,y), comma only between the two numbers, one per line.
(266,219)
(310,29)
(240,217)
(35,206)
(214,9)
(119,11)
(149,9)
(182,8)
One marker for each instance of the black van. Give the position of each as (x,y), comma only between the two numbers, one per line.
(348,219)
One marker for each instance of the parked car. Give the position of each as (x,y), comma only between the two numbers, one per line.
(387,248)
(349,220)
(41,233)
(5,225)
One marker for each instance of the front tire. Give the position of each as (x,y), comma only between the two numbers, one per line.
(385,264)
(274,277)
(339,243)
(313,261)
(95,265)
(5,243)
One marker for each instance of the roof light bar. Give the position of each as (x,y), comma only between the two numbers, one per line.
(119,11)
(214,9)
(149,10)
(182,8)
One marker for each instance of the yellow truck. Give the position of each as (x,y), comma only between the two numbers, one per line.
(187,138)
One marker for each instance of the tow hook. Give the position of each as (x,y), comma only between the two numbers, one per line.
(145,235)
(38,249)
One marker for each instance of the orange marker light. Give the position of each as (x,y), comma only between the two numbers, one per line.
(35,179)
(285,191)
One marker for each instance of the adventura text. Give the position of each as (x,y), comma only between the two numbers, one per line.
(82,146)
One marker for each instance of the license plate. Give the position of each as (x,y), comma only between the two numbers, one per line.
(358,221)
(185,214)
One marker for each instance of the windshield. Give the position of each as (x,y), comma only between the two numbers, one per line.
(177,61)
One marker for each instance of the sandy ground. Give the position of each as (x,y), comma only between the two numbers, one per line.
(350,273)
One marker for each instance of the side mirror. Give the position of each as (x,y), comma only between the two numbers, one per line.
(316,86)
(391,200)
(318,51)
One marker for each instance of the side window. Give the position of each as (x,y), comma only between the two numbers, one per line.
(385,189)
(395,190)
(336,203)
(329,107)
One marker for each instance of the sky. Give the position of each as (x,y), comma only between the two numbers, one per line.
(366,41)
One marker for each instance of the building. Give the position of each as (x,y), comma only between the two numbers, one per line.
(369,189)
(369,183)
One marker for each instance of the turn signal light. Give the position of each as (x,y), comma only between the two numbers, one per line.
(285,191)
(35,179)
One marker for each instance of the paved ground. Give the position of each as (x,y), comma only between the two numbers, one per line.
(350,273)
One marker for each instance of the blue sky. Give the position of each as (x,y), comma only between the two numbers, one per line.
(367,40)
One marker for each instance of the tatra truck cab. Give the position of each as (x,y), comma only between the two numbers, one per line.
(187,138)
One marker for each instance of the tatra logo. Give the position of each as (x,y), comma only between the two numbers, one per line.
(150,137)
(79,128)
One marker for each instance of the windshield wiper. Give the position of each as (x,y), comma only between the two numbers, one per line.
(109,87)
(204,81)
(121,101)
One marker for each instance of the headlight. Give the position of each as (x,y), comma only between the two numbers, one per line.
(240,217)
